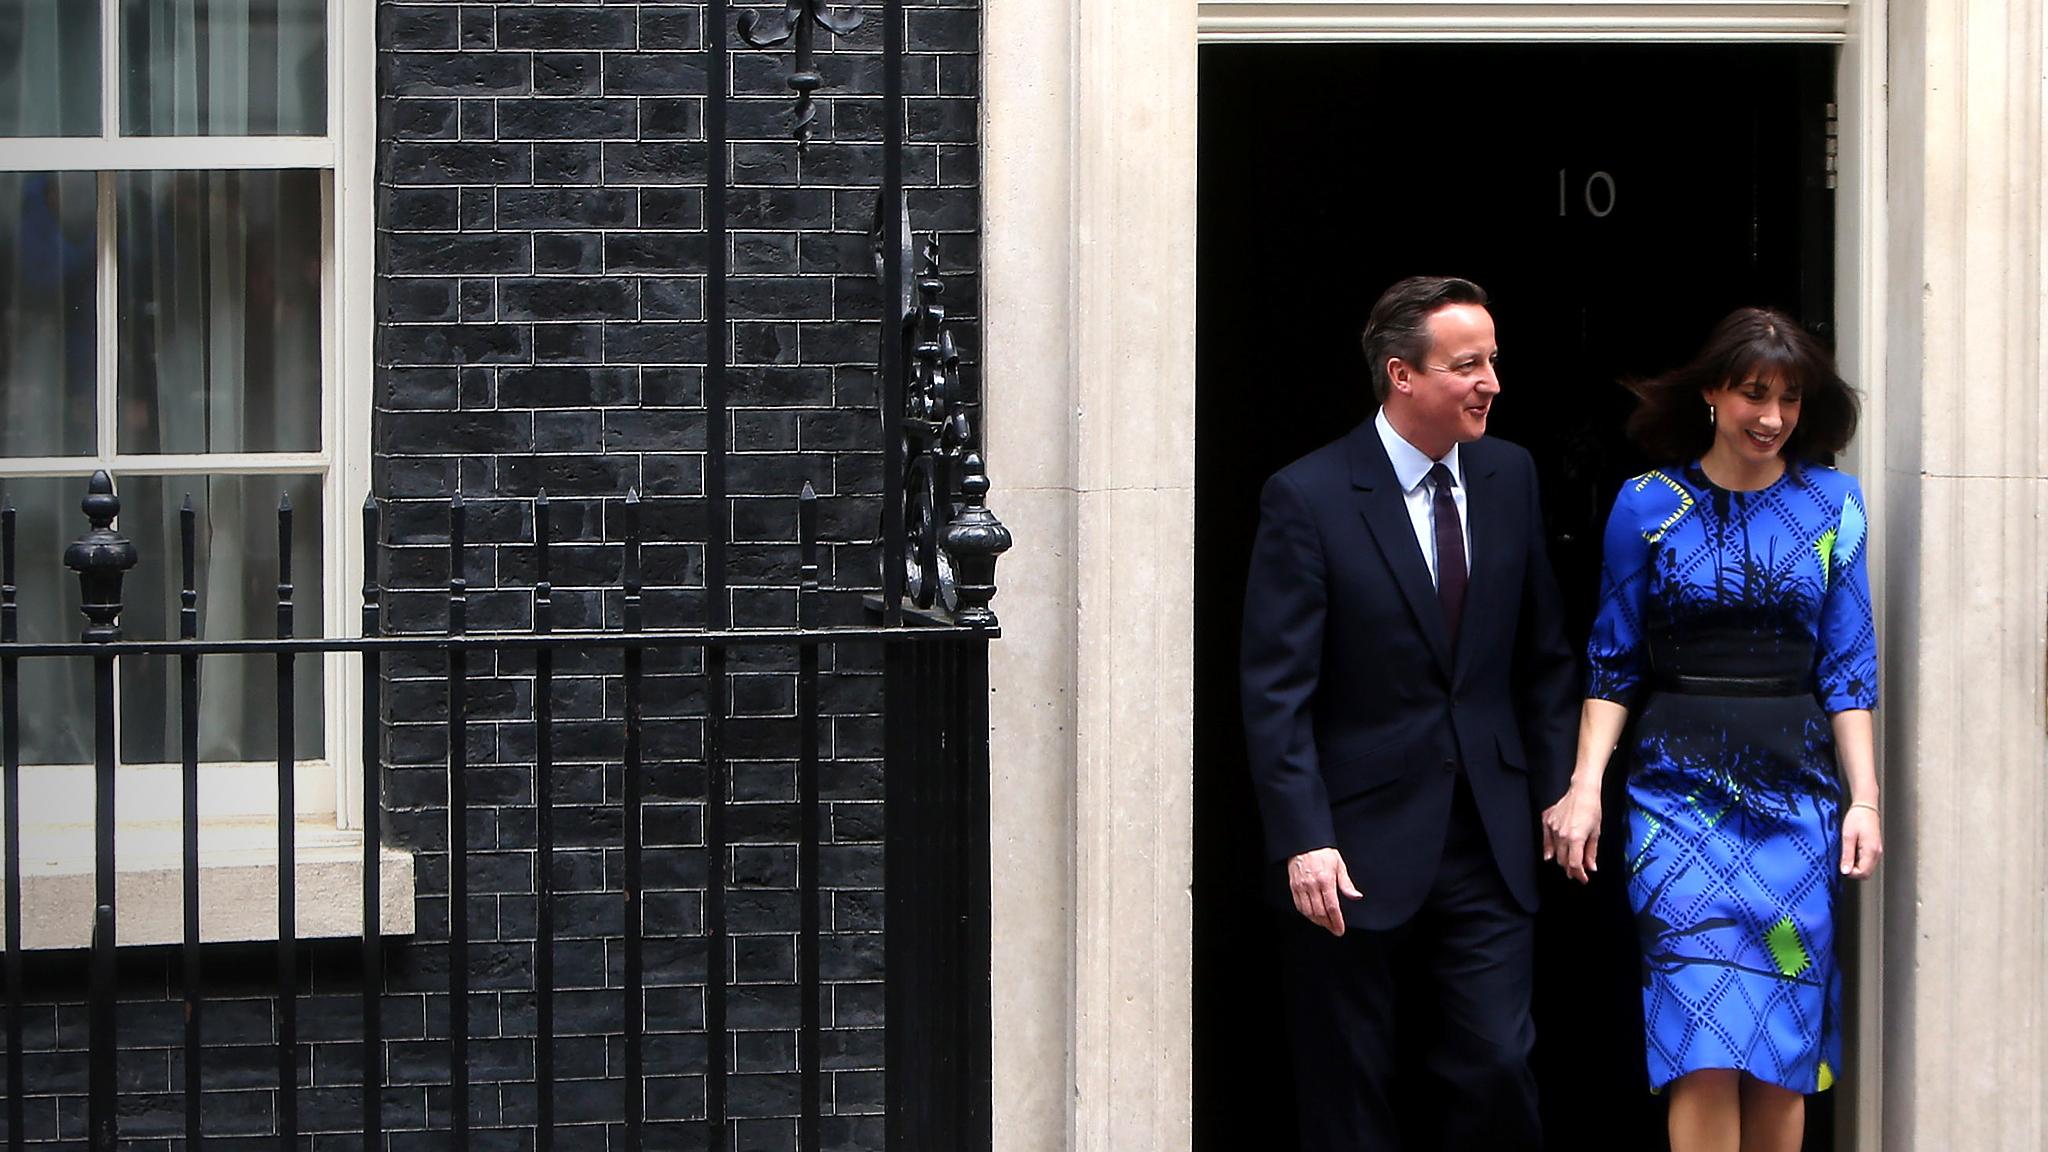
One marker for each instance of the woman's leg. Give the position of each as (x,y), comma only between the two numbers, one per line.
(1773,1118)
(1706,1112)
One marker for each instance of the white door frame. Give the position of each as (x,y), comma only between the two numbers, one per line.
(1089,270)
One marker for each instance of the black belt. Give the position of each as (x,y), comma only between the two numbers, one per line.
(1731,685)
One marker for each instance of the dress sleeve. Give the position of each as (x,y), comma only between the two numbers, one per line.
(1615,657)
(1845,656)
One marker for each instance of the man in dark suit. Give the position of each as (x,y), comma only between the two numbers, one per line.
(1409,703)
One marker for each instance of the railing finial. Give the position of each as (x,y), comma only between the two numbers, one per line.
(458,580)
(284,565)
(630,600)
(543,581)
(975,539)
(807,557)
(188,574)
(101,558)
(373,589)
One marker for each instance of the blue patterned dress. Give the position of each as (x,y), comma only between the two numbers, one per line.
(1732,624)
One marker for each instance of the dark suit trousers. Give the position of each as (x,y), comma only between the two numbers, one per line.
(1469,951)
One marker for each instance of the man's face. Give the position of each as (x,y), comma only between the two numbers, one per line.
(1445,399)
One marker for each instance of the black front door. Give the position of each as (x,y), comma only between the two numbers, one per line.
(1615,201)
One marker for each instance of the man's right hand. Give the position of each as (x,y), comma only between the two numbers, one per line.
(1318,879)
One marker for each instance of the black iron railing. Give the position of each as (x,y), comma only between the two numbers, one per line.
(934,667)
(928,632)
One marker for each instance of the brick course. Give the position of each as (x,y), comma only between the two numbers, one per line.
(541,261)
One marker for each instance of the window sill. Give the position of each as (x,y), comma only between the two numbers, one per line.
(238,875)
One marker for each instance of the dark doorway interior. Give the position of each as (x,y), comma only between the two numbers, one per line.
(1615,201)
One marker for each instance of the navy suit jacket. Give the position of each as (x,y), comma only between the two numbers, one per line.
(1359,711)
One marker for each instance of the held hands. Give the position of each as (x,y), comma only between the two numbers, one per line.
(1316,879)
(1862,842)
(1571,832)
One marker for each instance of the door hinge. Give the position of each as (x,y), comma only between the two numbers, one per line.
(1832,149)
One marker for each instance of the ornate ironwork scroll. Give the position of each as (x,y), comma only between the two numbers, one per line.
(951,539)
(799,22)
(878,245)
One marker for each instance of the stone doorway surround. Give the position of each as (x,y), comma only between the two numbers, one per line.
(1089,299)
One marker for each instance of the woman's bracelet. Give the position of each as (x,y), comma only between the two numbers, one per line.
(1872,807)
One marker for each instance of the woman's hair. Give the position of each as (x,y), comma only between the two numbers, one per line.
(1672,423)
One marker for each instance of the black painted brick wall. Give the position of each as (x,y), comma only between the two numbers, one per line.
(541,273)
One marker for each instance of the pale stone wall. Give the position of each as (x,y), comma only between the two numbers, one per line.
(1090,189)
(1966,457)
(1027,311)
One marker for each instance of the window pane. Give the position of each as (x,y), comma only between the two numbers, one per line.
(56,694)
(49,68)
(219,320)
(224,67)
(237,581)
(48,306)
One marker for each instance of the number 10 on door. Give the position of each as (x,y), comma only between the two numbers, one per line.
(1598,194)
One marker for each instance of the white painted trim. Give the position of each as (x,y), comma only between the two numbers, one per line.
(187,464)
(351,341)
(1634,21)
(110,69)
(166,153)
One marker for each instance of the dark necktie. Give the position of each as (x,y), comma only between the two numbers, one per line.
(1450,549)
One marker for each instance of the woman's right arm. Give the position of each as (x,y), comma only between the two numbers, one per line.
(1571,829)
(1616,664)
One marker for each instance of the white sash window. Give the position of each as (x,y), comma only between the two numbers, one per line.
(185,302)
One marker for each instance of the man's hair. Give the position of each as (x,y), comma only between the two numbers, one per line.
(1673,425)
(1399,325)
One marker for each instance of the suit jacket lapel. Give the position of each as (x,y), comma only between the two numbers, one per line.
(1485,528)
(1381,503)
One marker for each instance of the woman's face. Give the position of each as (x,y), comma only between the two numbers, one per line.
(1754,416)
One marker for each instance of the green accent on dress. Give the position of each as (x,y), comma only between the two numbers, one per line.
(1786,950)
(1826,547)
(1714,818)
(1642,853)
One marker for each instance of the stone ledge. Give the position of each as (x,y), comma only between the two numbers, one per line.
(237,884)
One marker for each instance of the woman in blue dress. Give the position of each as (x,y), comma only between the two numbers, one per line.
(1735,625)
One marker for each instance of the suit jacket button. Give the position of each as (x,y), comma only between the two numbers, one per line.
(1450,765)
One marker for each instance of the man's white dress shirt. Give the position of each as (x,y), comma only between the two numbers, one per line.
(1411,468)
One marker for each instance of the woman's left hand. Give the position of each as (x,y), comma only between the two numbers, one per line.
(1862,843)
(1571,832)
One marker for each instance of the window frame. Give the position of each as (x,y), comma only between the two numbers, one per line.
(346,154)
